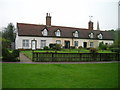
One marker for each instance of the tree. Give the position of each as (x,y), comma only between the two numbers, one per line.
(8,33)
(117,39)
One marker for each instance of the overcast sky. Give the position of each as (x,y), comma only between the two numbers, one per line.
(72,13)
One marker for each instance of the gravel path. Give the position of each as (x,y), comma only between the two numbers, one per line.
(23,58)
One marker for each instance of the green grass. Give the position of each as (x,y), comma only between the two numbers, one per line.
(29,53)
(60,75)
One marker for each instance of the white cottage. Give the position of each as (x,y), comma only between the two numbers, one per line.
(38,36)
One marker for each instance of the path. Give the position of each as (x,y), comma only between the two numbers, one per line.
(23,58)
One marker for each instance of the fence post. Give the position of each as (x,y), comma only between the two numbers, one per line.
(52,57)
(33,56)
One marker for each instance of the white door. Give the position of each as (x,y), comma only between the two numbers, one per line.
(33,45)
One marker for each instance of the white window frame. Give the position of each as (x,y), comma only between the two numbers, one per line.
(45,32)
(91,35)
(91,44)
(25,43)
(58,33)
(58,41)
(43,43)
(100,36)
(75,34)
(76,43)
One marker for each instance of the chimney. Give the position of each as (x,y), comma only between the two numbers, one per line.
(48,19)
(98,28)
(90,25)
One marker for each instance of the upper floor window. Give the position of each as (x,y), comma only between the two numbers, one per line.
(45,32)
(58,33)
(75,34)
(100,36)
(91,35)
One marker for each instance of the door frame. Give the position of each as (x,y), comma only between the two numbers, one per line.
(35,44)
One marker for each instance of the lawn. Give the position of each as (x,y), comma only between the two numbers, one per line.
(60,75)
(28,53)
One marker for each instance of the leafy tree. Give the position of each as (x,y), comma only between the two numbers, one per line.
(117,39)
(8,33)
(102,46)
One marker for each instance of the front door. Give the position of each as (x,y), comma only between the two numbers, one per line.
(85,44)
(33,44)
(67,44)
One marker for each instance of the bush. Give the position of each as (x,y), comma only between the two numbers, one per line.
(102,46)
(93,50)
(80,47)
(115,50)
(52,45)
(16,53)
(46,48)
(58,47)
(55,46)
(72,47)
(9,57)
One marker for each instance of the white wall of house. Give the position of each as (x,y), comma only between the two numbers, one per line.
(19,41)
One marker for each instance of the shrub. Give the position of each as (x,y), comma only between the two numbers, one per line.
(9,57)
(46,48)
(93,50)
(52,45)
(80,47)
(102,46)
(58,47)
(115,50)
(16,53)
(72,47)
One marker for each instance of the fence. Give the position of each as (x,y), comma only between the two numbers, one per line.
(74,57)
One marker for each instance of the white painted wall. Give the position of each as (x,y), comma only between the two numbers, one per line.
(49,40)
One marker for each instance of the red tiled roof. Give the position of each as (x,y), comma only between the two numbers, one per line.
(36,30)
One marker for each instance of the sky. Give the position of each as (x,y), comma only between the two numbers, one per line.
(71,13)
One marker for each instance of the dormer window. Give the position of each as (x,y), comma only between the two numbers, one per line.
(75,34)
(91,35)
(58,33)
(45,32)
(100,36)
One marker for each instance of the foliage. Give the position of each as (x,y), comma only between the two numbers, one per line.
(46,48)
(9,32)
(93,50)
(5,43)
(80,47)
(102,46)
(117,39)
(72,47)
(55,46)
(115,50)
(9,57)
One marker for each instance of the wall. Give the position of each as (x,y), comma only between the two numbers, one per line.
(53,40)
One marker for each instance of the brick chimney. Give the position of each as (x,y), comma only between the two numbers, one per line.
(48,19)
(90,25)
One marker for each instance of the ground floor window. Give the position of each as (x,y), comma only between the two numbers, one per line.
(58,41)
(91,44)
(25,43)
(75,43)
(43,43)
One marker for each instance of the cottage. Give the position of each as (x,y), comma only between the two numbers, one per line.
(38,36)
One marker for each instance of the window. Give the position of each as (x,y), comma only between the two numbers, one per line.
(58,41)
(25,43)
(75,43)
(91,35)
(43,43)
(91,44)
(100,36)
(45,32)
(75,34)
(58,33)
